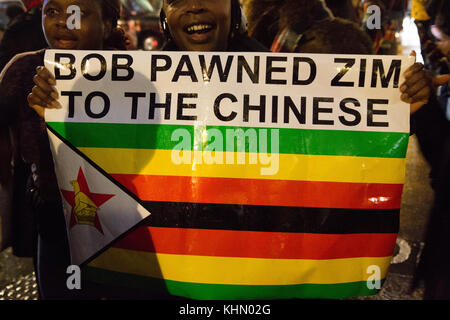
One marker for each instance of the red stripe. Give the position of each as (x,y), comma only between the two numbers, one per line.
(253,244)
(263,192)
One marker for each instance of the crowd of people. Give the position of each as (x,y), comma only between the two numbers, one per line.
(303,26)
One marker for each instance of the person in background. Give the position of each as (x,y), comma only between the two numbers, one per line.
(12,11)
(436,47)
(422,21)
(24,34)
(430,122)
(304,26)
(266,16)
(432,128)
(436,40)
(442,33)
(343,9)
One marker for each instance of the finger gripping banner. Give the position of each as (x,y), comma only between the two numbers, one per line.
(230,176)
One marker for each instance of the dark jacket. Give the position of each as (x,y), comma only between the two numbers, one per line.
(24,34)
(16,83)
(433,133)
(31,147)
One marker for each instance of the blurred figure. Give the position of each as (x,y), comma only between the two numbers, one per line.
(6,232)
(304,26)
(266,17)
(432,129)
(436,47)
(433,132)
(343,9)
(430,122)
(23,34)
(432,34)
(12,12)
(335,36)
(421,18)
(435,39)
(443,45)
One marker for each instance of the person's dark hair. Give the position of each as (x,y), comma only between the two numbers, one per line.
(236,18)
(303,13)
(267,17)
(343,9)
(442,18)
(336,36)
(433,7)
(111,12)
(262,16)
(13,10)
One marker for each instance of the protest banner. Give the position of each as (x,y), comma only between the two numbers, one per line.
(231,175)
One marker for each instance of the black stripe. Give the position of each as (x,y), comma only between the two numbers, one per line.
(273,219)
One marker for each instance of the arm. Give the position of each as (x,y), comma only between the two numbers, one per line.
(428,121)
(9,93)
(432,130)
(8,47)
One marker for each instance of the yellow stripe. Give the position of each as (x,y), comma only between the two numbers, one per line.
(286,167)
(239,271)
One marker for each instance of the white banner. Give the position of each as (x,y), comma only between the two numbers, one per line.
(313,91)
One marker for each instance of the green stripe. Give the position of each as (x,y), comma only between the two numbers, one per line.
(292,141)
(201,291)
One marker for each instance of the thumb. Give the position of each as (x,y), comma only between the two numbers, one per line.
(412,57)
(39,110)
(441,80)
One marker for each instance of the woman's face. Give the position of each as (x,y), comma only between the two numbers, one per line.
(92,29)
(199,25)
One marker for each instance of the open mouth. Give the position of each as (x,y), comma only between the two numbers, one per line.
(198,28)
(66,42)
(199,33)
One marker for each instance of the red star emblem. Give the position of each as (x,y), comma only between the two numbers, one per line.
(96,198)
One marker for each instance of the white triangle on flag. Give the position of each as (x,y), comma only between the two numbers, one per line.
(117,214)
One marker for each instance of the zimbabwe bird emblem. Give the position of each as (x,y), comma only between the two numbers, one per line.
(84,203)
